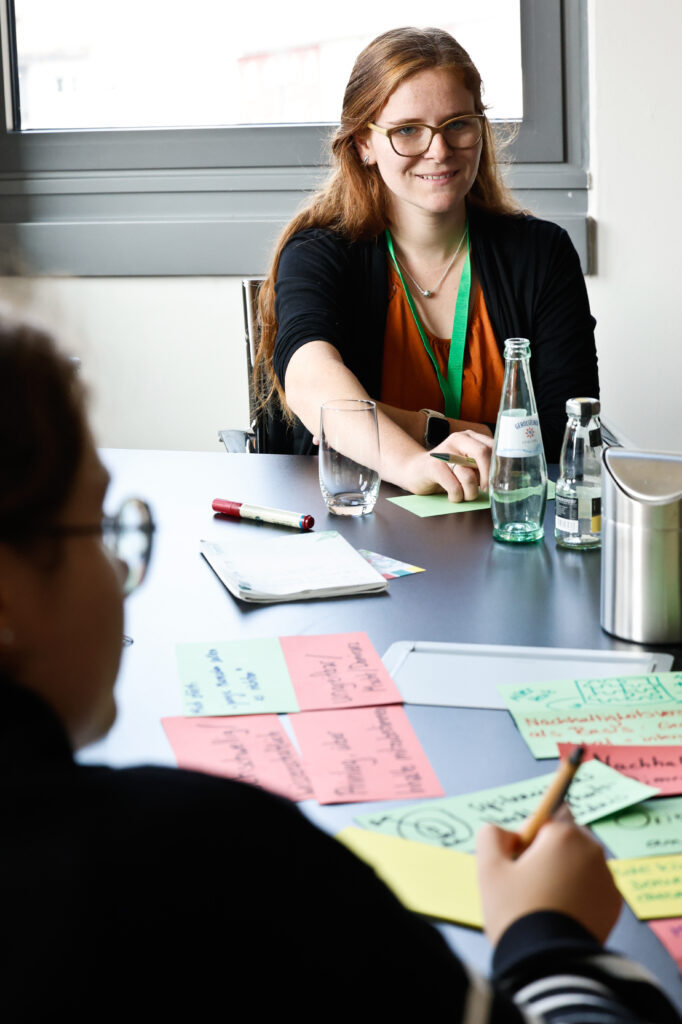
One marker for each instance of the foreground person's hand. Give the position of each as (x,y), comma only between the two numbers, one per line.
(564,869)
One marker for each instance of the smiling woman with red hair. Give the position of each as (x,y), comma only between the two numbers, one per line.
(404,275)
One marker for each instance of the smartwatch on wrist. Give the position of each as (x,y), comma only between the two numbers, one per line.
(437,428)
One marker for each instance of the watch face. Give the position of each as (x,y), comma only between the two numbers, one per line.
(437,430)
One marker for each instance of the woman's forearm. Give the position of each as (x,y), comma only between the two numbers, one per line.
(316,374)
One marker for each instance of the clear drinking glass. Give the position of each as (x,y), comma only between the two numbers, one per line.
(349,456)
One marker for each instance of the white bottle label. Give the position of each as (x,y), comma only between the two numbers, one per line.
(518,435)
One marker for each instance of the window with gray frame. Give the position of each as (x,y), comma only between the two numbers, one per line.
(203,201)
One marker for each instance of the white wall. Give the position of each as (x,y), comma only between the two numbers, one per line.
(166,357)
(636,89)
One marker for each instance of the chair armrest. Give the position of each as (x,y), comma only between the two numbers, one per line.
(612,435)
(237,442)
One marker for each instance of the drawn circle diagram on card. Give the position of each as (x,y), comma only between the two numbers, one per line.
(633,818)
(434,826)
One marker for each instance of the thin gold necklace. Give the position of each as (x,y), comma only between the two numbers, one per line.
(428,292)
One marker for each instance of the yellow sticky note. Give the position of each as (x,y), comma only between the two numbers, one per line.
(651,885)
(427,879)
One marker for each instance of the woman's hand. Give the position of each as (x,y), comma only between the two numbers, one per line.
(426,475)
(564,869)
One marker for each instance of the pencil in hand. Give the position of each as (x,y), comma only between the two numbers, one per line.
(552,800)
(454,460)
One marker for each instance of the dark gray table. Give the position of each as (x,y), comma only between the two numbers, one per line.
(474,590)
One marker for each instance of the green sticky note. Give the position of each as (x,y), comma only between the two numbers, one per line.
(424,505)
(238,677)
(650,829)
(598,790)
(453,822)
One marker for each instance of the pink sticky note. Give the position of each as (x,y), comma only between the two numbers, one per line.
(669,932)
(656,766)
(251,748)
(363,754)
(340,670)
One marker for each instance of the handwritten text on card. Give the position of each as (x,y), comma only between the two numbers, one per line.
(252,748)
(649,829)
(337,670)
(276,675)
(660,767)
(363,754)
(651,885)
(454,821)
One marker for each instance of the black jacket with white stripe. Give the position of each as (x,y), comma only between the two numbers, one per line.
(152,893)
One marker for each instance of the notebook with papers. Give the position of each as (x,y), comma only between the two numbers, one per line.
(264,570)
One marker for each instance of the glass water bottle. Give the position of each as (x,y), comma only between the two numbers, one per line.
(518,471)
(578,489)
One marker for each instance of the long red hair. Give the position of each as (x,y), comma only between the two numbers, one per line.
(353,201)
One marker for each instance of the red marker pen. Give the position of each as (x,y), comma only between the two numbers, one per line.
(277,516)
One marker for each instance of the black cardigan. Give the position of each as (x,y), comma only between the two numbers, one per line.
(332,290)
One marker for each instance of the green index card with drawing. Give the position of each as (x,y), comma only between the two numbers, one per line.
(453,822)
(623,710)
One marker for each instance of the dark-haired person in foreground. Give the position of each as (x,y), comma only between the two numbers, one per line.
(140,893)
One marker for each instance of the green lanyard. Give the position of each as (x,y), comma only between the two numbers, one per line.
(451,386)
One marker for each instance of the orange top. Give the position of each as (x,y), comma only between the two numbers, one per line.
(409,380)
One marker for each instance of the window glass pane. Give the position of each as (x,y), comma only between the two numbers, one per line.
(175,63)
